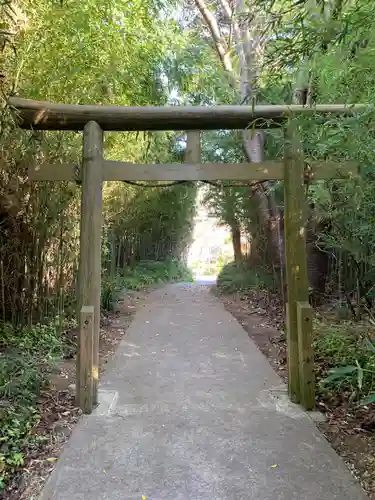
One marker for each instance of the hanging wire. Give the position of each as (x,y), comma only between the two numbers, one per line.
(172,184)
(176,183)
(169,184)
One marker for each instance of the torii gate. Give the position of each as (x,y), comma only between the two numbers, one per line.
(94,120)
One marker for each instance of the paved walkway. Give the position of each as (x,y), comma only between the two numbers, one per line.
(191,410)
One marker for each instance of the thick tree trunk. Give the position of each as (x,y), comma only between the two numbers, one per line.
(236,241)
(248,49)
(220,45)
(248,46)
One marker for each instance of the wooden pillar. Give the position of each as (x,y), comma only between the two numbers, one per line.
(295,249)
(90,240)
(84,376)
(193,147)
(306,356)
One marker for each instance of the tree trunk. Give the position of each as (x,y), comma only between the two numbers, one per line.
(236,241)
(248,47)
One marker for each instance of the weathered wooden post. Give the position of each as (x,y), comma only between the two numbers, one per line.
(84,375)
(295,249)
(193,147)
(306,355)
(90,254)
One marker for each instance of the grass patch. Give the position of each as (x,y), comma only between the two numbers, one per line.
(27,357)
(142,275)
(243,278)
(345,360)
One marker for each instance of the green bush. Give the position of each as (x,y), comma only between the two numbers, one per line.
(243,278)
(108,293)
(27,356)
(142,275)
(345,358)
(212,268)
(149,272)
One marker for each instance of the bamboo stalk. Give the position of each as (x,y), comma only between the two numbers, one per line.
(2,289)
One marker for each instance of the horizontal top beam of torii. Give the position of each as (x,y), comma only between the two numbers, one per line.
(40,115)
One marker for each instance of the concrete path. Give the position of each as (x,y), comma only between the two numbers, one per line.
(191,410)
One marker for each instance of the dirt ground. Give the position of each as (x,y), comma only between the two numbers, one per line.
(350,429)
(59,413)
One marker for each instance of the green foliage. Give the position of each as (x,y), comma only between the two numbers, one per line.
(114,53)
(156,224)
(332,49)
(243,277)
(151,272)
(94,51)
(345,358)
(213,267)
(109,293)
(328,47)
(41,340)
(231,205)
(17,421)
(27,356)
(142,275)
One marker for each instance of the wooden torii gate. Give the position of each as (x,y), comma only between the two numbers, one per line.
(94,120)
